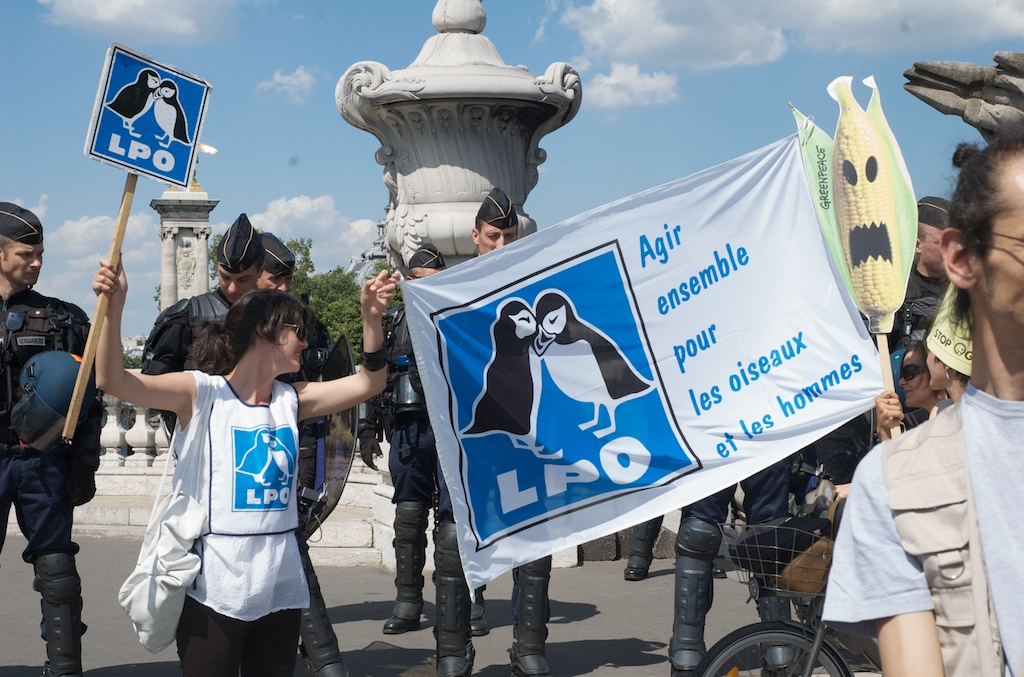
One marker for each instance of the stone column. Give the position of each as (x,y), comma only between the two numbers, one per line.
(185,236)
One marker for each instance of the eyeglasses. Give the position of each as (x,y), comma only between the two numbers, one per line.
(301,332)
(911,371)
(1009,237)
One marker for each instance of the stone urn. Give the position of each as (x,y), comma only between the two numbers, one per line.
(452,125)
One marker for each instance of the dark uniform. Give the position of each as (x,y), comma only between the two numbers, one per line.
(167,350)
(401,414)
(45,484)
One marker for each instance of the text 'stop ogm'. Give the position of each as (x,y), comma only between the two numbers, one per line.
(148,117)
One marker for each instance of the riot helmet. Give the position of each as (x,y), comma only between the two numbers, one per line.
(46,386)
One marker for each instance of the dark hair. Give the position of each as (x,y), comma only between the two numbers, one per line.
(978,201)
(919,348)
(260,313)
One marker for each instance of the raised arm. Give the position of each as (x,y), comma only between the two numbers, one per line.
(327,397)
(172,392)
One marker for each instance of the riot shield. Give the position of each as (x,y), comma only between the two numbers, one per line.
(335,441)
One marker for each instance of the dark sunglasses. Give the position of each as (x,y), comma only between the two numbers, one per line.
(301,332)
(910,371)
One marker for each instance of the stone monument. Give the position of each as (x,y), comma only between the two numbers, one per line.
(989,98)
(455,123)
(184,241)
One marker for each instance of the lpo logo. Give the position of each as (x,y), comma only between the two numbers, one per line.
(148,117)
(557,400)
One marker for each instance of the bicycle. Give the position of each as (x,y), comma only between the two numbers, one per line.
(793,563)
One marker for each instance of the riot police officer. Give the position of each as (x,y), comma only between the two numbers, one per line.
(239,264)
(765,497)
(497,225)
(401,413)
(43,477)
(241,260)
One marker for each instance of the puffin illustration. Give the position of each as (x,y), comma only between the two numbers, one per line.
(276,455)
(169,115)
(132,102)
(584,363)
(509,400)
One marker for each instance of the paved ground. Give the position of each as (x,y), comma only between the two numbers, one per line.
(601,625)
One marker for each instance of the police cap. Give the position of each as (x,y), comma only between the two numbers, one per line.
(497,210)
(19,224)
(241,246)
(279,260)
(933,211)
(427,256)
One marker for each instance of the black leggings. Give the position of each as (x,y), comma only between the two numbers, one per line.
(214,645)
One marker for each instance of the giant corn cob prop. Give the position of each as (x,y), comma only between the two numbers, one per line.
(865,178)
(866,206)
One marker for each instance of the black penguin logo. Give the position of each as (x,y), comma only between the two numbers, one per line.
(584,363)
(132,102)
(169,115)
(508,402)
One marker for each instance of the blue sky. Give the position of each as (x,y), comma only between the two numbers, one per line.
(669,88)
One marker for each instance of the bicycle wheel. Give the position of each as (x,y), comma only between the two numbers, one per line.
(751,650)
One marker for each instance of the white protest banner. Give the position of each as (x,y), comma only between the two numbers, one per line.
(636,358)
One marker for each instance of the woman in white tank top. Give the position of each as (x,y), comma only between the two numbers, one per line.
(242,614)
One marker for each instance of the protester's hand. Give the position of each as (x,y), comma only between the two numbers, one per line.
(889,412)
(377,293)
(112,281)
(368,448)
(842,491)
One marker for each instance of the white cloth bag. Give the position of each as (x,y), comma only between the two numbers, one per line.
(154,593)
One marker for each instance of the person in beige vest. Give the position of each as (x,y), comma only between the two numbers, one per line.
(928,554)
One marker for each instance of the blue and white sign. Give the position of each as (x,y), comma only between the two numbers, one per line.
(148,117)
(636,358)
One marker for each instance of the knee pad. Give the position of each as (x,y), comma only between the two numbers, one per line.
(411,522)
(540,567)
(698,539)
(57,578)
(446,551)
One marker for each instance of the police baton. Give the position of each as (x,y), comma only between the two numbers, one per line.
(92,343)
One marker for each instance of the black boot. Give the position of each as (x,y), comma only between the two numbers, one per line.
(696,546)
(531,631)
(477,620)
(58,582)
(641,549)
(455,652)
(410,556)
(319,644)
(771,607)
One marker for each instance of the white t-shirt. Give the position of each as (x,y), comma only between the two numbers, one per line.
(872,576)
(251,562)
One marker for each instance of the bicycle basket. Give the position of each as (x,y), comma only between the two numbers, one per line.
(787,555)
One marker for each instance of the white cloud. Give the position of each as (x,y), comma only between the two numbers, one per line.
(295,86)
(627,86)
(72,253)
(183,22)
(749,32)
(73,250)
(336,238)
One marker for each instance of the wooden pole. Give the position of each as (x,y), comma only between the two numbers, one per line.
(92,343)
(885,360)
